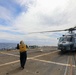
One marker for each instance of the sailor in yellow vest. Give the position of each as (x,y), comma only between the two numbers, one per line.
(23,54)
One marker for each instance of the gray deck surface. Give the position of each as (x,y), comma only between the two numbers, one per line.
(40,61)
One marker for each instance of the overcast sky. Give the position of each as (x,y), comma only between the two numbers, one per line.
(20,17)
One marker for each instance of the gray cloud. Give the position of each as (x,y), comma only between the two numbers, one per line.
(57,18)
(41,16)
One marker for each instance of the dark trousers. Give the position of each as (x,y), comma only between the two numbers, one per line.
(23,57)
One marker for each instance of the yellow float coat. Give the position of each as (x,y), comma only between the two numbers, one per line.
(22,48)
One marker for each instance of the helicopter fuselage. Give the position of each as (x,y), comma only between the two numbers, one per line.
(67,42)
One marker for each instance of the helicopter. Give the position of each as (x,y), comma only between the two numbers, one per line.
(66,42)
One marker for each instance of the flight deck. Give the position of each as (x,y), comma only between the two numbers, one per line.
(40,61)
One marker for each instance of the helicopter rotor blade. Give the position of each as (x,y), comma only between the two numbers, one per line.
(48,31)
(69,29)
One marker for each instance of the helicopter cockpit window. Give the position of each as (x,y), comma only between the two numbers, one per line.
(67,38)
(61,39)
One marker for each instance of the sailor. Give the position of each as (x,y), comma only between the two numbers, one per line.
(23,54)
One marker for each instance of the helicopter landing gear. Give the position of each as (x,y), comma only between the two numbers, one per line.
(63,51)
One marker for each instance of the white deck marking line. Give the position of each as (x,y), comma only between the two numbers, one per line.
(65,73)
(33,58)
(53,62)
(37,60)
(9,63)
(9,54)
(44,54)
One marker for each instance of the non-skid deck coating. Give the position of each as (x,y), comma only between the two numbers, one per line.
(40,61)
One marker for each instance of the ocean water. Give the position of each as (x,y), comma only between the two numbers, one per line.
(6,46)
